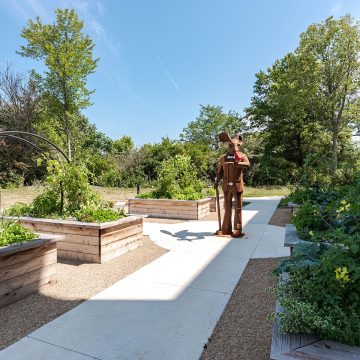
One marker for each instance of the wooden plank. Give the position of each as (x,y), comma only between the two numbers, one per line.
(10,259)
(174,216)
(24,267)
(78,256)
(86,249)
(121,243)
(26,290)
(323,350)
(123,225)
(120,251)
(163,202)
(149,210)
(27,278)
(121,234)
(84,240)
(164,208)
(280,342)
(60,228)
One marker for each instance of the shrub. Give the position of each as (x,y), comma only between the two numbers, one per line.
(67,195)
(11,232)
(18,209)
(178,179)
(98,215)
(323,296)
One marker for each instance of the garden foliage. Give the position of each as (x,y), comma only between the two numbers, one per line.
(11,232)
(178,179)
(322,293)
(67,195)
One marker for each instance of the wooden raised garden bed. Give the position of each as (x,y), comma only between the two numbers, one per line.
(213,204)
(25,268)
(90,242)
(171,209)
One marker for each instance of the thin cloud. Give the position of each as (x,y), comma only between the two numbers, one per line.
(100,8)
(167,73)
(29,9)
(336,8)
(82,7)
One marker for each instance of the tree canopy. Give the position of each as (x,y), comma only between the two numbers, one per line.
(68,55)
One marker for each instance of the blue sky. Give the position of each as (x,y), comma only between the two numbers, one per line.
(161,59)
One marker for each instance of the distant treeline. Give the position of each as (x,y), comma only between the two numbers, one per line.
(299,126)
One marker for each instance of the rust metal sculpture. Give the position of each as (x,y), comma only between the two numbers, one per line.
(230,168)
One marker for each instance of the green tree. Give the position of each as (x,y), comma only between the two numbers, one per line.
(123,145)
(331,50)
(307,100)
(210,122)
(68,55)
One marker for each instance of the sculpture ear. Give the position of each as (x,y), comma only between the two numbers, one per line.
(224,137)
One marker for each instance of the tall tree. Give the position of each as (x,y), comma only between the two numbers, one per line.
(68,55)
(19,100)
(331,49)
(310,98)
(210,122)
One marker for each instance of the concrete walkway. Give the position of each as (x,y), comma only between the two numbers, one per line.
(167,309)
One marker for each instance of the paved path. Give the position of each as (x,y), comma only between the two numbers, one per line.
(167,309)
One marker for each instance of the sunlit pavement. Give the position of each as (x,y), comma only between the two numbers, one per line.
(167,309)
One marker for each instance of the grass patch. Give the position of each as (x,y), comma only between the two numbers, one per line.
(267,191)
(27,194)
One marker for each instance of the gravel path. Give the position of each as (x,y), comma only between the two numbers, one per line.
(243,333)
(281,216)
(76,283)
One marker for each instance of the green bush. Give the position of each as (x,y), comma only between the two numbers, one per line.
(178,179)
(18,209)
(322,296)
(98,215)
(11,232)
(67,195)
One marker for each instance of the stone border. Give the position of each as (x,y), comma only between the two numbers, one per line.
(27,267)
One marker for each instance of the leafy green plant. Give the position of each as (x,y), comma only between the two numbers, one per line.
(67,195)
(178,179)
(18,209)
(98,215)
(11,232)
(322,297)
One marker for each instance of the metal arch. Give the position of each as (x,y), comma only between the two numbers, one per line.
(11,132)
(28,142)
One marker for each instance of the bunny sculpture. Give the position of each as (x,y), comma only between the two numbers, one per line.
(230,168)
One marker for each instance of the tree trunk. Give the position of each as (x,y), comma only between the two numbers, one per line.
(68,137)
(335,137)
(67,124)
